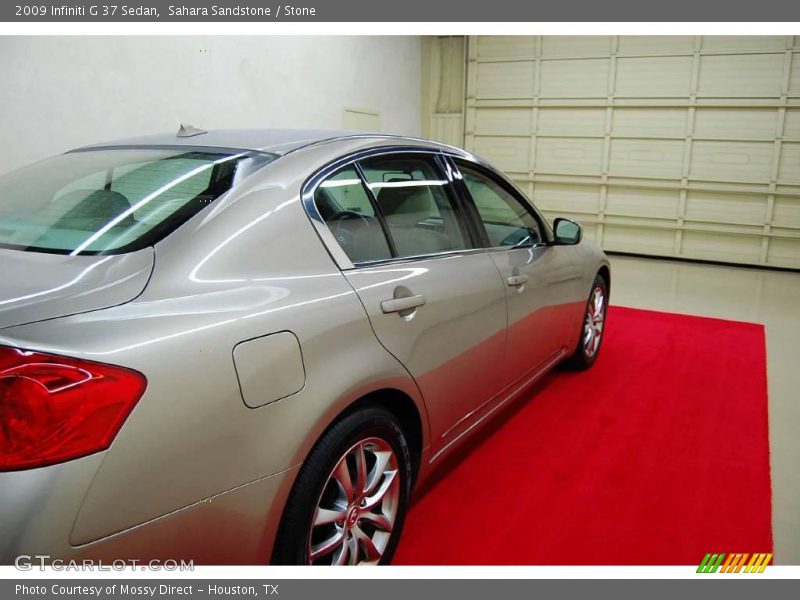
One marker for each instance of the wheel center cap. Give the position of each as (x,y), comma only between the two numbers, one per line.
(352,516)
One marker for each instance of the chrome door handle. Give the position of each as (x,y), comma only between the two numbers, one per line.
(515,280)
(401,304)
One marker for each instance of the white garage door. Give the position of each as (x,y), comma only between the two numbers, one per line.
(668,146)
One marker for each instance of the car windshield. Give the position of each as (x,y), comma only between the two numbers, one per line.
(111,201)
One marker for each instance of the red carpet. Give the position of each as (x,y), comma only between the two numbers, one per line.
(656,455)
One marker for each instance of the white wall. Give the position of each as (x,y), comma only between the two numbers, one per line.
(57,93)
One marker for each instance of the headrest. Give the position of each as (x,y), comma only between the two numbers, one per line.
(93,207)
(412,200)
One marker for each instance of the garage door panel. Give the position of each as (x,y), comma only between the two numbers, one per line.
(571,121)
(510,154)
(735,161)
(569,156)
(736,123)
(505,80)
(639,240)
(575,78)
(794,78)
(650,122)
(590,231)
(786,212)
(506,46)
(502,121)
(576,45)
(789,169)
(739,43)
(646,158)
(664,141)
(791,127)
(722,247)
(784,252)
(560,198)
(715,207)
(642,202)
(655,44)
(635,76)
(741,75)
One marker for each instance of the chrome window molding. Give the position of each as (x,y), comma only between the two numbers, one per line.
(450,168)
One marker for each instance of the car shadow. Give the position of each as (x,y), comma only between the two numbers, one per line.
(495,422)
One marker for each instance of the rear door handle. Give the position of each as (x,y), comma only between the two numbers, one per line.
(401,304)
(515,280)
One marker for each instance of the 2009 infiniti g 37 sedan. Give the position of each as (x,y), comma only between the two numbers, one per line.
(247,346)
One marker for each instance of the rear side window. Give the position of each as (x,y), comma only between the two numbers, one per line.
(343,202)
(506,220)
(114,200)
(412,196)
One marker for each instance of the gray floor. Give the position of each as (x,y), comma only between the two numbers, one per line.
(759,296)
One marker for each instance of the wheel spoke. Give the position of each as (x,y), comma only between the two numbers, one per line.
(342,476)
(599,303)
(361,470)
(325,516)
(372,501)
(381,460)
(372,554)
(328,545)
(343,555)
(352,550)
(380,521)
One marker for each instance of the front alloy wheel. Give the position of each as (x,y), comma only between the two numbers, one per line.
(592,327)
(594,321)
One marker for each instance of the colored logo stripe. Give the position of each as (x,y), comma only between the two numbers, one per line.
(734,563)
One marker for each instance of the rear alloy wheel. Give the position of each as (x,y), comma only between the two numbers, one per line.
(592,327)
(348,504)
(356,514)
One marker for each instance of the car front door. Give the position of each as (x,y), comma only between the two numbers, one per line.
(434,297)
(542,280)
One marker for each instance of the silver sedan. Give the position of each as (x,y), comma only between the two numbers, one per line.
(243,347)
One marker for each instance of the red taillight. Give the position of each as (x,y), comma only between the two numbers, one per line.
(54,408)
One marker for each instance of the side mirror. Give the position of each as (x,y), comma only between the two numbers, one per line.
(568,233)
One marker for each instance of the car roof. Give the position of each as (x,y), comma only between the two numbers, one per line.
(275,141)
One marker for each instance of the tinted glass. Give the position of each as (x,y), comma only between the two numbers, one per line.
(345,206)
(413,199)
(507,221)
(112,201)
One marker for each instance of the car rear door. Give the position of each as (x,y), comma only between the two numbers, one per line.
(541,280)
(434,299)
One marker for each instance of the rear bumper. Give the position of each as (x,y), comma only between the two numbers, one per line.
(38,509)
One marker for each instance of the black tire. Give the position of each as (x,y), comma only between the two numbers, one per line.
(581,359)
(292,541)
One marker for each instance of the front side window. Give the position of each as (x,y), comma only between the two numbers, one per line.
(111,201)
(506,220)
(412,196)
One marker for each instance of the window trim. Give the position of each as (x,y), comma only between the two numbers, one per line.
(376,208)
(339,256)
(504,183)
